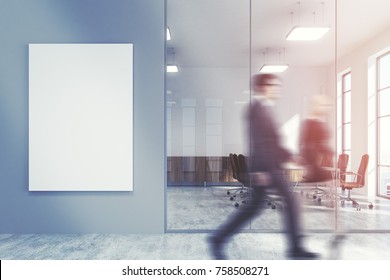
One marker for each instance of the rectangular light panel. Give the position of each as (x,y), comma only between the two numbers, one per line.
(172,69)
(169,37)
(273,68)
(300,33)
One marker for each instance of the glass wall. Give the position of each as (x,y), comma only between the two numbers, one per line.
(218,45)
(210,43)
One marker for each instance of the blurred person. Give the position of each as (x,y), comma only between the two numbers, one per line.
(266,157)
(314,140)
(316,152)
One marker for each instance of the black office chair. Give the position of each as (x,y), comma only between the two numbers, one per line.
(233,193)
(247,180)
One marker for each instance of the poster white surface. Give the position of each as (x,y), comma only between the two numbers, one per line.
(80,117)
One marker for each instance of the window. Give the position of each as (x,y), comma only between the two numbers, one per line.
(344,123)
(383,124)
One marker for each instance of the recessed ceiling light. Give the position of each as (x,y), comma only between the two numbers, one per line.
(302,33)
(168,34)
(172,68)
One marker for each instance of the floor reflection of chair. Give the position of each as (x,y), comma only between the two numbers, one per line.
(351,180)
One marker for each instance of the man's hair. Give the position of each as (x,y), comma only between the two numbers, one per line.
(263,79)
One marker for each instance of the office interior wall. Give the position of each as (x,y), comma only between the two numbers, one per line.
(56,21)
(357,61)
(231,87)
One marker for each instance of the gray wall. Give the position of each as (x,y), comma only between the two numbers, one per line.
(140,22)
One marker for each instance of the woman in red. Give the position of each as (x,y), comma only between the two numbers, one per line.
(314,140)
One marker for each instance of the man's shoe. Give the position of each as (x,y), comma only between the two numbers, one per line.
(216,248)
(301,254)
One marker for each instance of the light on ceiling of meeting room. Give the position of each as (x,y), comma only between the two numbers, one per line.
(307,32)
(278,66)
(172,68)
(273,68)
(169,37)
(303,33)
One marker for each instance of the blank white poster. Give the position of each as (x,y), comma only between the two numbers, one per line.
(80,117)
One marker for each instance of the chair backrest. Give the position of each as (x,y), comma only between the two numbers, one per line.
(243,170)
(362,169)
(233,165)
(342,163)
(238,169)
(242,164)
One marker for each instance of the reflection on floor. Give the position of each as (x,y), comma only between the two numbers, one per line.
(204,208)
(245,246)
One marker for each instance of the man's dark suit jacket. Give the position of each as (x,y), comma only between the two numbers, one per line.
(266,152)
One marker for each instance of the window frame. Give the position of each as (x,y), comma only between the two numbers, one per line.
(378,118)
(343,123)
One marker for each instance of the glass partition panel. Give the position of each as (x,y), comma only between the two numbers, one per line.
(310,64)
(218,46)
(205,103)
(363,200)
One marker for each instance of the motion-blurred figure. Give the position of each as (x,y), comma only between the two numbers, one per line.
(317,154)
(265,159)
(314,140)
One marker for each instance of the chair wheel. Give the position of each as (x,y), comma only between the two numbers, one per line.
(236,204)
(358,208)
(231,198)
(273,206)
(314,196)
(370,206)
(228,192)
(319,199)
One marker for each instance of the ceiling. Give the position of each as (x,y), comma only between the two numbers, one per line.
(218,33)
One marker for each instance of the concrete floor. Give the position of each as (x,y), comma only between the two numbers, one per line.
(197,211)
(199,208)
(170,246)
